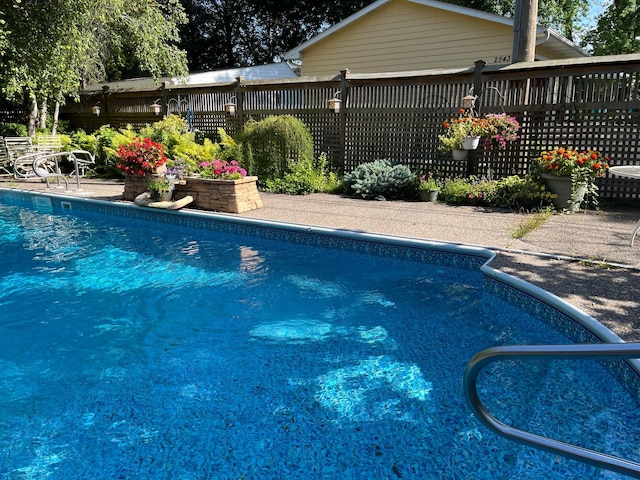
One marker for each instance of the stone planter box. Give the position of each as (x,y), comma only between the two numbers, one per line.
(231,196)
(134,185)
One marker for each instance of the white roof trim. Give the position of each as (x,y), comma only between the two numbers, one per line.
(296,53)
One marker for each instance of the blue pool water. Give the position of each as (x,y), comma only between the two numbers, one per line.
(133,349)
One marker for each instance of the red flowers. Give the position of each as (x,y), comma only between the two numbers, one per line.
(141,157)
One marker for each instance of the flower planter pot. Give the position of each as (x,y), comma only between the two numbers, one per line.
(428,195)
(562,187)
(459,154)
(470,143)
(161,196)
(231,196)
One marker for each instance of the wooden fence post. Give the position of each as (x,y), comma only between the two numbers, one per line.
(164,99)
(472,159)
(105,103)
(344,95)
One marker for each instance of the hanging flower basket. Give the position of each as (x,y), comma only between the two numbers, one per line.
(470,143)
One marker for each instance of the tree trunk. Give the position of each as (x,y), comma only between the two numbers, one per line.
(42,115)
(33,117)
(56,114)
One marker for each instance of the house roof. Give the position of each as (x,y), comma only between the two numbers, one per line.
(552,39)
(256,72)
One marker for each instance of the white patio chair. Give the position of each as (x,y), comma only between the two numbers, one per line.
(18,146)
(48,143)
(5,159)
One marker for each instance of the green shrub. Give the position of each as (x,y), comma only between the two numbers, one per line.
(106,155)
(304,177)
(112,143)
(271,146)
(193,154)
(13,130)
(462,191)
(518,193)
(381,180)
(170,132)
(81,140)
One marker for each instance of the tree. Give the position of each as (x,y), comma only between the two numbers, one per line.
(234,33)
(562,15)
(214,33)
(617,30)
(53,47)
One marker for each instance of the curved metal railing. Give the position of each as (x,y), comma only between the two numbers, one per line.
(574,351)
(45,165)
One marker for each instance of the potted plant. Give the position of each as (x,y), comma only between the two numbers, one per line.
(466,128)
(450,143)
(142,156)
(222,169)
(570,174)
(220,185)
(428,188)
(138,159)
(160,188)
(499,130)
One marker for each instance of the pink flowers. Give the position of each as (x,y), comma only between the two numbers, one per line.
(500,129)
(222,169)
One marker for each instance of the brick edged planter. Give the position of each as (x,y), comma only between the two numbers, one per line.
(231,196)
(134,185)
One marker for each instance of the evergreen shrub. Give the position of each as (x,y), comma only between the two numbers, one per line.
(381,180)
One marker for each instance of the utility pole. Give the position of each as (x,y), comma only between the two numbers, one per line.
(525,23)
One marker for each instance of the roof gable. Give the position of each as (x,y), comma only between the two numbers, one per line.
(544,35)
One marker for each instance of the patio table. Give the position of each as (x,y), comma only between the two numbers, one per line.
(630,171)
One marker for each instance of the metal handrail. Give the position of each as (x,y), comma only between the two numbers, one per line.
(40,167)
(574,351)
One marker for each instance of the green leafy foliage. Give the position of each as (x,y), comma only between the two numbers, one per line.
(616,29)
(518,193)
(109,141)
(13,130)
(273,145)
(52,49)
(305,177)
(462,191)
(171,131)
(381,180)
(254,32)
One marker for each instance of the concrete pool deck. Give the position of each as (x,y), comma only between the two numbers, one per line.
(584,258)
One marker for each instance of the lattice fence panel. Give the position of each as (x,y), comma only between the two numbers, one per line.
(586,105)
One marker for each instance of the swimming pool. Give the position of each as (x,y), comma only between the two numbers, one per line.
(204,348)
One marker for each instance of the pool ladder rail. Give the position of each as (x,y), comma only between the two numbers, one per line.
(45,165)
(605,351)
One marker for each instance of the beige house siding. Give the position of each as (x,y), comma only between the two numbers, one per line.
(401,36)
